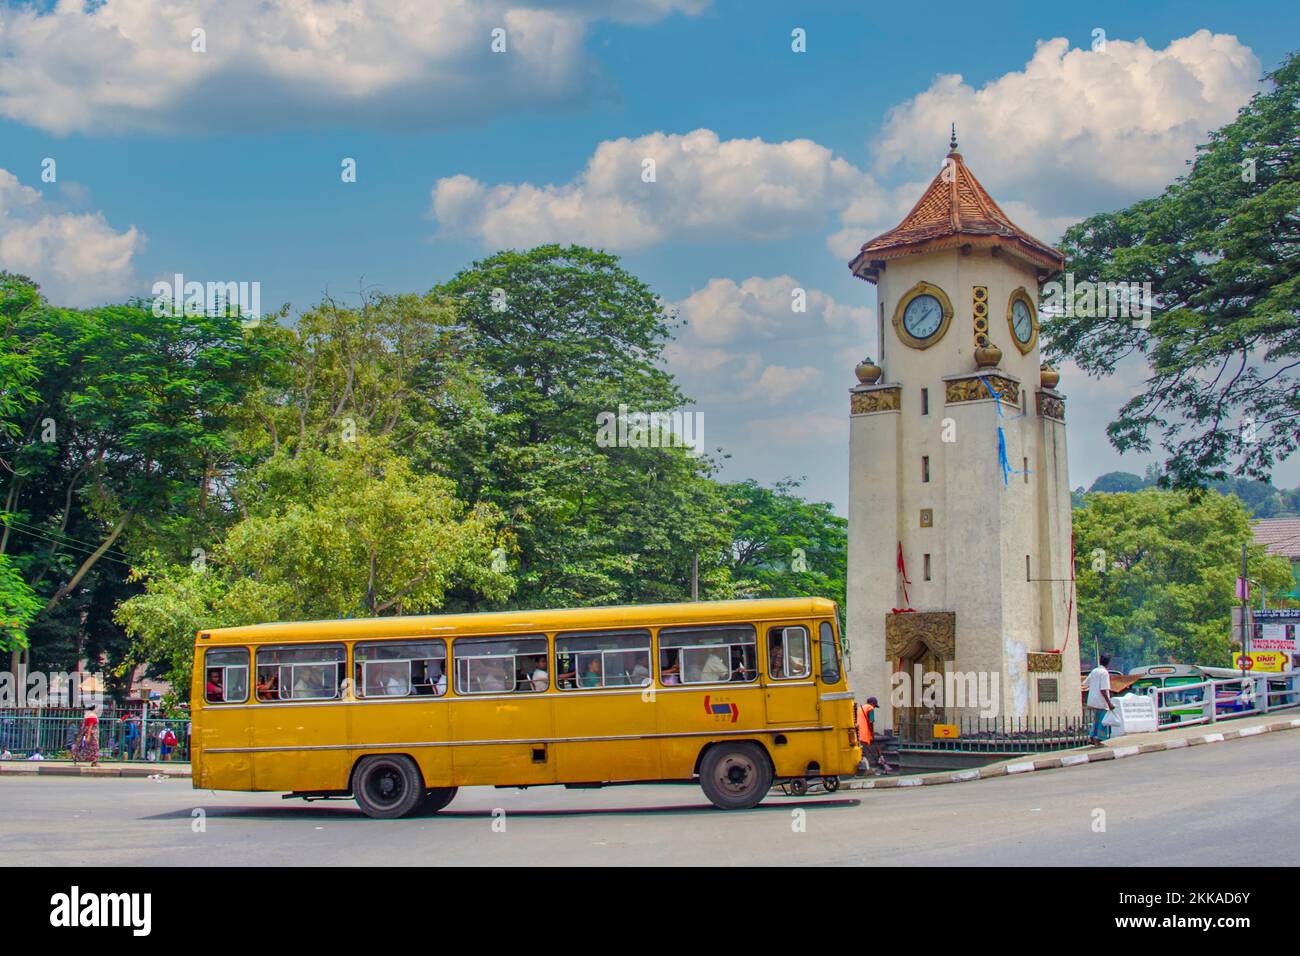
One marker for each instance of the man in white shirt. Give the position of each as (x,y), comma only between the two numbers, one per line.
(1099,699)
(715,669)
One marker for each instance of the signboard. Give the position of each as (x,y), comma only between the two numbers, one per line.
(1137,714)
(1274,637)
(1260,661)
(946,732)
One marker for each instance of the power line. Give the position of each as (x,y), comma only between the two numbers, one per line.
(105,556)
(51,535)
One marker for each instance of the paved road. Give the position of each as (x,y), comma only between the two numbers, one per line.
(1233,803)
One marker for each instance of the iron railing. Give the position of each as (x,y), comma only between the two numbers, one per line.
(53,730)
(1009,735)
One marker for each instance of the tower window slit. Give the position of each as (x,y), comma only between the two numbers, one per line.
(927,567)
(925,467)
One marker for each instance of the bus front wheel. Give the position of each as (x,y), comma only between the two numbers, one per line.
(388,786)
(735,776)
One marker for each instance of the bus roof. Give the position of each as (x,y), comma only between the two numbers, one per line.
(507,622)
(1166,670)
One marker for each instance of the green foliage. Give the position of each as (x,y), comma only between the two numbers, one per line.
(1222,252)
(18,605)
(783,546)
(562,334)
(1170,560)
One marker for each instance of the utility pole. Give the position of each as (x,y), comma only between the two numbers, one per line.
(1245,611)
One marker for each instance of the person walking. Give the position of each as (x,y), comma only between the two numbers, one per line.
(1099,700)
(87,746)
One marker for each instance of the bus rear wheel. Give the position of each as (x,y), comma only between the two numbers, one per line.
(388,786)
(735,776)
(436,799)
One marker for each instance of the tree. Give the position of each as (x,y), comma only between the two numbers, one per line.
(1114,481)
(563,335)
(350,530)
(783,546)
(18,605)
(124,423)
(1157,574)
(1221,249)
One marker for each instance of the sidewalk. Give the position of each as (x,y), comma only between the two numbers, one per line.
(1130,745)
(106,768)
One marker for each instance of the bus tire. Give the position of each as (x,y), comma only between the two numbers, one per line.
(735,776)
(387,786)
(436,799)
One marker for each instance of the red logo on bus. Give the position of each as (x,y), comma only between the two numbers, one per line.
(721,710)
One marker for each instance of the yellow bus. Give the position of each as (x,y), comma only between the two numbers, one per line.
(398,712)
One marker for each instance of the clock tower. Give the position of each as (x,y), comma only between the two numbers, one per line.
(960,571)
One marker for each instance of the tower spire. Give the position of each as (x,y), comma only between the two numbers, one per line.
(952,145)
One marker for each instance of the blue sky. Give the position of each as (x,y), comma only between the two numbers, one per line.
(224,164)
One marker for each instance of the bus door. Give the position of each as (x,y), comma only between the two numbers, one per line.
(789,690)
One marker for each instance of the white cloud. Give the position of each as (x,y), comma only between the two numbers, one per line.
(77,258)
(704,188)
(742,341)
(129,64)
(1075,125)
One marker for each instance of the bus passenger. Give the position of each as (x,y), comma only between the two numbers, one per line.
(591,677)
(640,671)
(215,692)
(670,668)
(493,678)
(776,660)
(539,680)
(715,669)
(268,687)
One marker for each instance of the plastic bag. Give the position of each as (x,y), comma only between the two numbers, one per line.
(1110,719)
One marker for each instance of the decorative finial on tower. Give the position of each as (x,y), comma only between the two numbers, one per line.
(952,145)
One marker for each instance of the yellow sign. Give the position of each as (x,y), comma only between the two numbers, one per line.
(1261,661)
(946,732)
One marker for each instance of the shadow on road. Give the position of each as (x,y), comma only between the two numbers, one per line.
(351,812)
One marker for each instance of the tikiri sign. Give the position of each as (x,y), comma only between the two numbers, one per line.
(1269,661)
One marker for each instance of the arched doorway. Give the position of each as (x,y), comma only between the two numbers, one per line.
(924,705)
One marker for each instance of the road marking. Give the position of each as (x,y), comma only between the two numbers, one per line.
(1073,759)
(1175,744)
(1020,767)
(965,775)
(911,782)
(1250,731)
(1212,738)
(1126,751)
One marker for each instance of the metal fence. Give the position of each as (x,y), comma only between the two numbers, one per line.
(1001,735)
(1213,700)
(53,730)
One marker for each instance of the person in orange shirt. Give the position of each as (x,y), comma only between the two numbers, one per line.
(867,731)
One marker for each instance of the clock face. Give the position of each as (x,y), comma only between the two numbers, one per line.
(1022,321)
(923,316)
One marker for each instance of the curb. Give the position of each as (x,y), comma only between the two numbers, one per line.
(1066,759)
(43,769)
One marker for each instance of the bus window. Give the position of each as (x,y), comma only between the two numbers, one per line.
(830,653)
(500,665)
(602,659)
(227,675)
(403,669)
(708,655)
(302,672)
(787,652)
